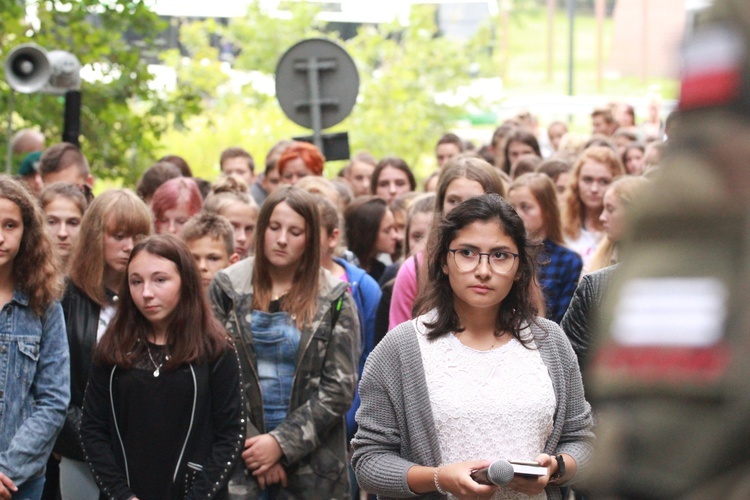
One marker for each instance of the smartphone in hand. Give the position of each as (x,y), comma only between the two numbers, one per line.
(527,468)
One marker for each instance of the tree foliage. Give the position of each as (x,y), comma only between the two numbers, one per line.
(262,36)
(122,117)
(402,70)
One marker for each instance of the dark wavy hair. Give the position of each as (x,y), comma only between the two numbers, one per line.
(34,267)
(194,334)
(519,306)
(362,220)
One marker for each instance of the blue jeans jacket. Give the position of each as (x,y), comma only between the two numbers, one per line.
(34,386)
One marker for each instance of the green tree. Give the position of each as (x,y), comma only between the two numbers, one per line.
(402,70)
(262,36)
(200,72)
(122,117)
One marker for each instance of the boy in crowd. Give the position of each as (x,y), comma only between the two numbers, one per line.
(448,146)
(210,239)
(237,161)
(65,162)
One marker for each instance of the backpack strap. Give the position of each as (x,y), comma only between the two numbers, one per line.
(336,311)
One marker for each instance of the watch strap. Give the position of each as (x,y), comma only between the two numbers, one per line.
(560,468)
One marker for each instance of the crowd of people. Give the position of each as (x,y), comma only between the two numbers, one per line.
(279,334)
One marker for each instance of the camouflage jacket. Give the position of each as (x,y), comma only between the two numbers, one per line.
(313,436)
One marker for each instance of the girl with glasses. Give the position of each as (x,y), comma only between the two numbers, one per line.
(461,178)
(476,377)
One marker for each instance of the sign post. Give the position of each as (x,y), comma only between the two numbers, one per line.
(317,85)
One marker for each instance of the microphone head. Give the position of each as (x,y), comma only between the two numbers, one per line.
(500,472)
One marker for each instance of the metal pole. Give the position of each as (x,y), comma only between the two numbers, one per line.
(314,85)
(645,44)
(9,153)
(571,42)
(571,48)
(551,8)
(72,118)
(600,8)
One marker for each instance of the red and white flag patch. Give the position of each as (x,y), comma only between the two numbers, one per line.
(711,68)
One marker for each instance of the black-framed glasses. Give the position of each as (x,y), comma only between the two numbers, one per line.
(467,259)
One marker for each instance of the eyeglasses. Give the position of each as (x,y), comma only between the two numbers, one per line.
(466,259)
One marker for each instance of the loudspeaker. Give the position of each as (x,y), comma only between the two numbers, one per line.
(64,73)
(27,68)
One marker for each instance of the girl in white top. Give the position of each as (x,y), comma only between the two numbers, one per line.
(493,392)
(584,199)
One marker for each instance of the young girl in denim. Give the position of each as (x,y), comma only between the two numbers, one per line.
(297,333)
(34,365)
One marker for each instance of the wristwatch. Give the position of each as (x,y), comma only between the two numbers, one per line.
(560,469)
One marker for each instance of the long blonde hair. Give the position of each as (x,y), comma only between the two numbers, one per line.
(573,208)
(114,211)
(626,188)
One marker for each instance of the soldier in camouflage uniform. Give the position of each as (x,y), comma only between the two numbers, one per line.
(312,437)
(670,378)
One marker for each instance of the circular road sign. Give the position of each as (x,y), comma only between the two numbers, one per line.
(322,67)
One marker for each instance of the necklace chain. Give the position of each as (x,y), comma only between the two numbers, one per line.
(157,370)
(494,340)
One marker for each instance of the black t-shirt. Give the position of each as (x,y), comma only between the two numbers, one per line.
(154,418)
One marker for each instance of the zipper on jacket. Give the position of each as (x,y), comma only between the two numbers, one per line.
(190,427)
(117,427)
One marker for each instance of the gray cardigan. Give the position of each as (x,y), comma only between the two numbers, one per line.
(396,427)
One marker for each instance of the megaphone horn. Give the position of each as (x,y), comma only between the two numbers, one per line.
(27,68)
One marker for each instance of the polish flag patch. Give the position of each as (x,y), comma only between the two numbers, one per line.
(667,330)
(711,68)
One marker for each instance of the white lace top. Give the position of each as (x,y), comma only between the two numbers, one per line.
(488,404)
(585,245)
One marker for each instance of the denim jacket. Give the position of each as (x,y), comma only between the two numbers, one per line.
(34,386)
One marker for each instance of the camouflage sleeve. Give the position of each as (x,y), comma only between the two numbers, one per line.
(301,431)
(221,304)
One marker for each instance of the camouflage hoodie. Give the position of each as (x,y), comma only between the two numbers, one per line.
(313,436)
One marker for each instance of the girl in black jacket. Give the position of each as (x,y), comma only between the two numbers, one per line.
(163,414)
(114,221)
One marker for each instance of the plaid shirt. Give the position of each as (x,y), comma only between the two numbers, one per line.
(559,270)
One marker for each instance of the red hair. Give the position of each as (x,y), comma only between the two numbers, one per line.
(308,153)
(169,194)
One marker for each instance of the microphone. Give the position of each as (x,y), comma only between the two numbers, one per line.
(500,473)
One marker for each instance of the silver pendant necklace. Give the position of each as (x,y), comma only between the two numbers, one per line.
(157,370)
